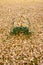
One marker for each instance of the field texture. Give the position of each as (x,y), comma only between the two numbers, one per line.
(20,49)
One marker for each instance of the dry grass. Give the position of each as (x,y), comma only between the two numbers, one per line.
(20,50)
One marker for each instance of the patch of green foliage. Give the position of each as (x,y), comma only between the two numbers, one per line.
(21,29)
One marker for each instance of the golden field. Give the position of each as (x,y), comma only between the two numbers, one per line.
(19,49)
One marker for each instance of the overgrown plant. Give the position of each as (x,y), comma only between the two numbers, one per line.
(23,30)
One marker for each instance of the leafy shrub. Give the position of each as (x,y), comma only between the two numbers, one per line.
(18,30)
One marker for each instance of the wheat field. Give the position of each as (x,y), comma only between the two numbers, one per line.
(19,49)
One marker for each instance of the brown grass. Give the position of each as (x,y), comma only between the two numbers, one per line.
(19,50)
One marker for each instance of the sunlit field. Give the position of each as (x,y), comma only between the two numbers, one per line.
(21,32)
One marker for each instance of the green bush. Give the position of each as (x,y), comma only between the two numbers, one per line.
(23,30)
